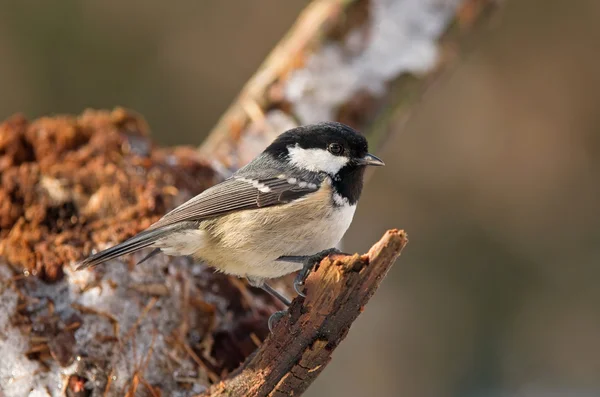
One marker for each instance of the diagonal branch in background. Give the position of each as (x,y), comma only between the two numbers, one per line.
(361,62)
(302,343)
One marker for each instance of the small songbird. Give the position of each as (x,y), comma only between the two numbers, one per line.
(281,213)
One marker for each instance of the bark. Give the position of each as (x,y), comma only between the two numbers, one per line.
(302,343)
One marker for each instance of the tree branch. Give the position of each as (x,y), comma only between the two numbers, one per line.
(333,65)
(302,343)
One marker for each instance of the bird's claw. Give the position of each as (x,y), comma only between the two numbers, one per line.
(308,264)
(298,284)
(275,318)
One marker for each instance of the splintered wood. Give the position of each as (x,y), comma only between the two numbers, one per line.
(301,344)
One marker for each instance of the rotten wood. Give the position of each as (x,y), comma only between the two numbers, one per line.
(302,343)
(111,182)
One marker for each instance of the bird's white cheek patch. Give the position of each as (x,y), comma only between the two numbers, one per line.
(316,160)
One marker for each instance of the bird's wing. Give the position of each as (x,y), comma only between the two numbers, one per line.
(237,194)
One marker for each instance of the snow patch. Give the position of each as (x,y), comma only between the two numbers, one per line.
(401,38)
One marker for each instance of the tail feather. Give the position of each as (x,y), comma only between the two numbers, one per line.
(140,241)
(154,252)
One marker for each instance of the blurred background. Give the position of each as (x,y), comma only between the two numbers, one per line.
(495,177)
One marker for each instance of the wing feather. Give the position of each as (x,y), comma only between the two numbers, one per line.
(237,194)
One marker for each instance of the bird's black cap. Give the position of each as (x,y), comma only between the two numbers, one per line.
(320,136)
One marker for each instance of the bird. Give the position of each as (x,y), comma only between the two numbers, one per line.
(283,212)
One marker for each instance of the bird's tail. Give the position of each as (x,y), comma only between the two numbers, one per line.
(140,241)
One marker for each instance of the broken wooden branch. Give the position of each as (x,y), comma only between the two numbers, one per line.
(302,343)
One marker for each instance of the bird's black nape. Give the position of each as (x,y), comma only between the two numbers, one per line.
(319,136)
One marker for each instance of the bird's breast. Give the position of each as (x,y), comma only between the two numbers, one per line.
(250,241)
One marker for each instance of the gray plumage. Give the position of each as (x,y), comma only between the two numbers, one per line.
(140,241)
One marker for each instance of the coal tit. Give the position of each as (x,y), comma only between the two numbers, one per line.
(270,218)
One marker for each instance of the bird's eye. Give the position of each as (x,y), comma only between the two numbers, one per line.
(335,148)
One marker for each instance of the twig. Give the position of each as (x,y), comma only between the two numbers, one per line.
(255,339)
(211,374)
(91,310)
(149,387)
(247,298)
(151,289)
(302,342)
(133,386)
(37,349)
(146,361)
(109,380)
(143,315)
(139,373)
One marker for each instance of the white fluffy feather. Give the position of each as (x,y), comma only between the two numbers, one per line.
(185,242)
(316,160)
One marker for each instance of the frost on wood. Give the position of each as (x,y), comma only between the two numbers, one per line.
(350,61)
(150,323)
(15,367)
(71,185)
(400,37)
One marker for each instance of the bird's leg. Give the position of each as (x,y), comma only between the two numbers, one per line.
(275,317)
(308,262)
(276,294)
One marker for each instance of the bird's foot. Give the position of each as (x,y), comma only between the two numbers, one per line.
(276,294)
(275,318)
(308,263)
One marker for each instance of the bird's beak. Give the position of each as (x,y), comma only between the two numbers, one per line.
(369,159)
